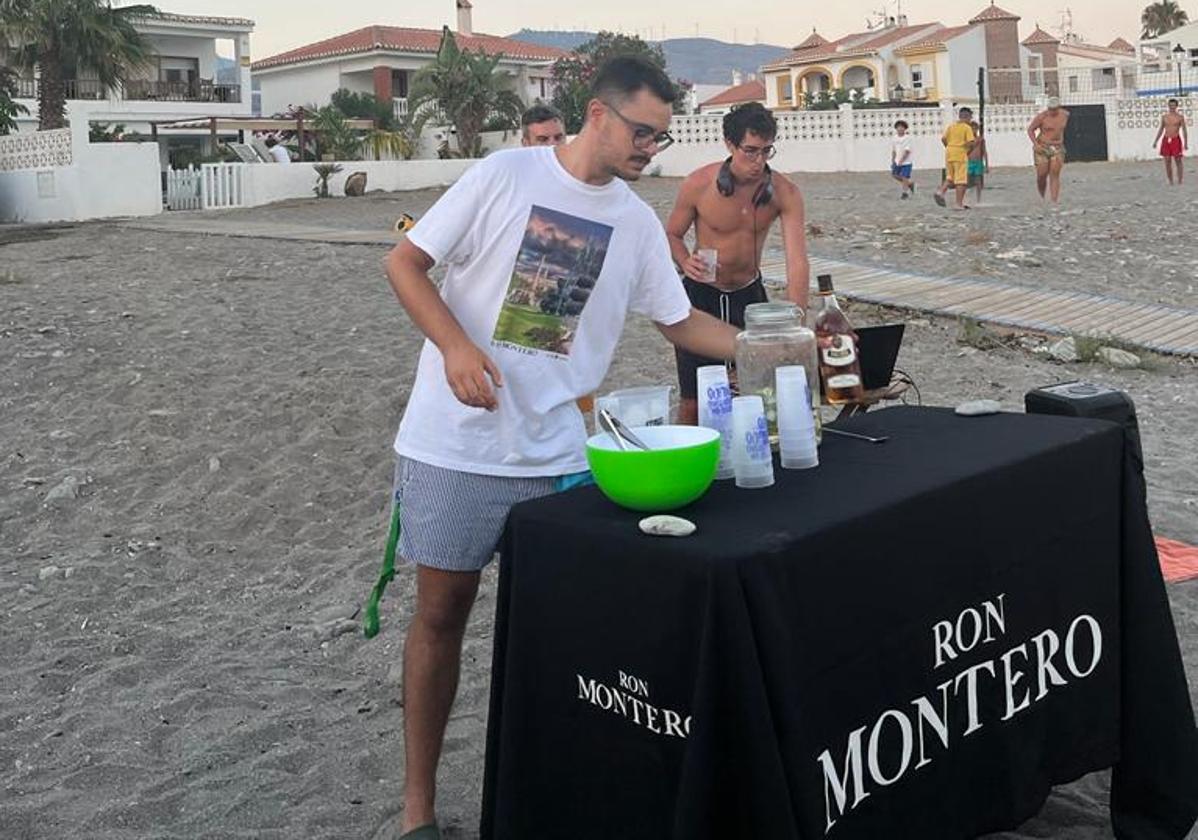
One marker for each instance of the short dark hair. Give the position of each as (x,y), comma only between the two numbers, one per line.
(1174,102)
(965,110)
(622,76)
(271,142)
(752,116)
(539,114)
(903,123)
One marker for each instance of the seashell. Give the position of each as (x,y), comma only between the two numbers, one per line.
(668,526)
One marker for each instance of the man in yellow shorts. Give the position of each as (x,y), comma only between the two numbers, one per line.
(958,140)
(1047,133)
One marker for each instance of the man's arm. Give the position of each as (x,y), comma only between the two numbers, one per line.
(794,239)
(703,335)
(466,366)
(1185,135)
(1159,133)
(682,217)
(1034,128)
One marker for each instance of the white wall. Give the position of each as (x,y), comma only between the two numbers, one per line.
(967,52)
(297,86)
(265,183)
(103,180)
(181,46)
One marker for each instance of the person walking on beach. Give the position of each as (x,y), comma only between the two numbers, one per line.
(1175,143)
(958,140)
(732,205)
(979,162)
(1047,133)
(547,251)
(542,125)
(902,163)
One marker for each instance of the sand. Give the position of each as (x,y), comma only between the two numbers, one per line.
(194,486)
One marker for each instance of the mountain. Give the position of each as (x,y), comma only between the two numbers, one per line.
(227,72)
(699,60)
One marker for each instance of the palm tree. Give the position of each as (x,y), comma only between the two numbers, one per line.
(9,110)
(1162,17)
(63,38)
(468,91)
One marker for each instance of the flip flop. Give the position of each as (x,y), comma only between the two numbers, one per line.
(939,199)
(425,832)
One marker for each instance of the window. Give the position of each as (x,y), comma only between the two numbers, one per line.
(1033,71)
(785,89)
(399,84)
(1073,86)
(1194,58)
(917,77)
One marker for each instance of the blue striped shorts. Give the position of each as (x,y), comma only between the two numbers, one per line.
(452,520)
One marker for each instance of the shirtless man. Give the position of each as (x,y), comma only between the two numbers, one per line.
(732,205)
(1176,141)
(1047,132)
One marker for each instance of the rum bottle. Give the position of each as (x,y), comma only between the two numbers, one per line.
(839,364)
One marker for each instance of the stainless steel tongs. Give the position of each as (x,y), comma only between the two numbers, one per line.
(619,432)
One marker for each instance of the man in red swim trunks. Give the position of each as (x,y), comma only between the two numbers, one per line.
(1175,143)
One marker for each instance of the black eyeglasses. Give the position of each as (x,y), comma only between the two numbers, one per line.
(753,152)
(643,136)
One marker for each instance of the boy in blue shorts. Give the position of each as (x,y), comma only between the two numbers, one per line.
(901,161)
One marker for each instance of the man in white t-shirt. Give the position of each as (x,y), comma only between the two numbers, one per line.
(277,150)
(547,251)
(901,161)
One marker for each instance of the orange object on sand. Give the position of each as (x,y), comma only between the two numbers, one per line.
(1178,561)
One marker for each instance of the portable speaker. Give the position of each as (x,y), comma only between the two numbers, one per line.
(1082,399)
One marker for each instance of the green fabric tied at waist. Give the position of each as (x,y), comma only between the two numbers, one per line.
(370,621)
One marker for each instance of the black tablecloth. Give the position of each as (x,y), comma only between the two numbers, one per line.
(916,640)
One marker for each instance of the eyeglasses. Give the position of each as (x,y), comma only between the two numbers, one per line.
(753,152)
(643,136)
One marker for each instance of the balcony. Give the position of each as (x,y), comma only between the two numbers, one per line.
(140,90)
(401,107)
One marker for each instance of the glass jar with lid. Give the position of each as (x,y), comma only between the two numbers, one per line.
(774,337)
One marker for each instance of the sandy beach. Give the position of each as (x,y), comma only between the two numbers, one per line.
(195,473)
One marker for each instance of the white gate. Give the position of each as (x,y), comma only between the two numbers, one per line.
(183,189)
(222,185)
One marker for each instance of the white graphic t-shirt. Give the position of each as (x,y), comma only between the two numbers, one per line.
(542,270)
(900,146)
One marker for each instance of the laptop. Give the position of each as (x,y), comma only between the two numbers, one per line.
(879,348)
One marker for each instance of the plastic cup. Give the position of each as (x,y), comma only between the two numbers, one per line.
(796,419)
(710,257)
(752,459)
(715,412)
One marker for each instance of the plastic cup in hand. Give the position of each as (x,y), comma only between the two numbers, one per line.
(796,419)
(715,412)
(751,456)
(710,257)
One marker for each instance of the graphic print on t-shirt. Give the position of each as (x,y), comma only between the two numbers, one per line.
(556,269)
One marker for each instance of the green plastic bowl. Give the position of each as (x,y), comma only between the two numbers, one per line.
(677,470)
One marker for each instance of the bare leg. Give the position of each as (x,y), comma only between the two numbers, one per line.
(1180,170)
(962,190)
(1169,170)
(1042,178)
(978,190)
(1054,179)
(431,663)
(688,412)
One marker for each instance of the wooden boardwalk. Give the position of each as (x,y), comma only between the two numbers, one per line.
(1164,329)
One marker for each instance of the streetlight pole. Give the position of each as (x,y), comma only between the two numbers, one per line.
(1178,52)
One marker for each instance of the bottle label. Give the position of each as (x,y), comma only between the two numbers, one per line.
(844,381)
(839,351)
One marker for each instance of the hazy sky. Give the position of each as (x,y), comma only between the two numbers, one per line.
(283,24)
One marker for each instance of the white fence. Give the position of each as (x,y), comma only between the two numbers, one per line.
(222,185)
(183,189)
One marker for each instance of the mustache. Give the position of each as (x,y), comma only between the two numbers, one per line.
(642,159)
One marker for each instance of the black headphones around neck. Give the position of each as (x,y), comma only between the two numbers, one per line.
(726,184)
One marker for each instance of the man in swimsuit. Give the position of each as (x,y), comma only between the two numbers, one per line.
(1047,133)
(1175,143)
(732,205)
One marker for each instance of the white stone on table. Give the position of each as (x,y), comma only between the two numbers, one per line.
(979,408)
(667,526)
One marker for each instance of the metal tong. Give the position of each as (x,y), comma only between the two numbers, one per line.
(619,432)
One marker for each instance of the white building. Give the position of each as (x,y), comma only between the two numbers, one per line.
(1160,62)
(384,59)
(181,81)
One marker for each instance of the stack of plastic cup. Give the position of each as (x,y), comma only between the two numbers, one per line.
(715,412)
(752,459)
(796,420)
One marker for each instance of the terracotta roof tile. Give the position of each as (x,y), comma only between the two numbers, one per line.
(1040,37)
(170,17)
(938,39)
(992,12)
(812,41)
(753,91)
(890,36)
(1121,45)
(398,39)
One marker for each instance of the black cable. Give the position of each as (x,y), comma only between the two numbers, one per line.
(902,376)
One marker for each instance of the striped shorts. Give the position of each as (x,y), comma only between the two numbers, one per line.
(453,521)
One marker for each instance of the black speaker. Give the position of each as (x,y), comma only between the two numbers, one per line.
(1082,399)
